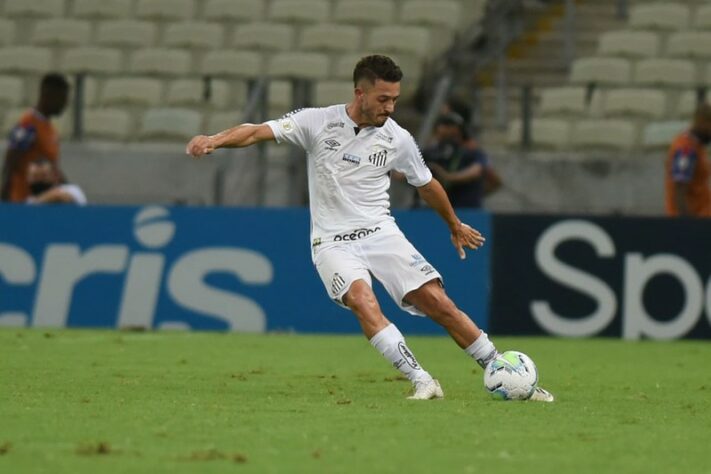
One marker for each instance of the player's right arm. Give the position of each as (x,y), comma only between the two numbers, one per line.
(240,136)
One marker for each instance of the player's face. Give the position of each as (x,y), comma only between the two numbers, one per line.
(377,101)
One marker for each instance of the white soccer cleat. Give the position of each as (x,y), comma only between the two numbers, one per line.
(427,391)
(541,395)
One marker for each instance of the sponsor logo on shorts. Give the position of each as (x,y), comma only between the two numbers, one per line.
(351,158)
(355,235)
(332,144)
(334,125)
(379,158)
(337,283)
(407,355)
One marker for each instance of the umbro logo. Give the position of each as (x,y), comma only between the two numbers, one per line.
(332,144)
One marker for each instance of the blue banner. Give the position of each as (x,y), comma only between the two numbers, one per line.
(200,268)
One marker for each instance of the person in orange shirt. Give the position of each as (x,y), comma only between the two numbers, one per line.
(687,169)
(34,137)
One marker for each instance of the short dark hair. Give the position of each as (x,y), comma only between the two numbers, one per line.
(376,67)
(54,81)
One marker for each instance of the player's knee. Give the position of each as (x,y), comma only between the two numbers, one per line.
(360,300)
(437,305)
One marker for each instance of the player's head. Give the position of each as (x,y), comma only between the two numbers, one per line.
(41,176)
(702,123)
(377,87)
(54,92)
(450,128)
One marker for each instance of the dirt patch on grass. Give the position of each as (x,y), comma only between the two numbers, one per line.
(5,448)
(216,455)
(99,448)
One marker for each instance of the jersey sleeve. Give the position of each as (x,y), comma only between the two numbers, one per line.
(22,137)
(76,193)
(298,127)
(411,163)
(683,165)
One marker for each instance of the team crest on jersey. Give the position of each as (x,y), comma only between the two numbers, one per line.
(379,158)
(334,125)
(332,144)
(351,158)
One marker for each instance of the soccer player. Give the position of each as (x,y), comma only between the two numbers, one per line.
(351,150)
(32,138)
(687,169)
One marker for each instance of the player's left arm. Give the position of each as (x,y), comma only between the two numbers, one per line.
(462,235)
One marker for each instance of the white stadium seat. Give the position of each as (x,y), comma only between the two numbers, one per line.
(194,35)
(333,92)
(106,123)
(170,123)
(445,13)
(661,134)
(645,103)
(219,121)
(601,71)
(165,10)
(61,32)
(191,92)
(235,10)
(402,39)
(264,36)
(12,91)
(92,60)
(607,133)
(702,19)
(127,33)
(160,61)
(545,133)
(329,37)
(26,59)
(7,32)
(299,11)
(299,65)
(686,104)
(665,72)
(34,8)
(132,91)
(230,63)
(366,12)
(564,101)
(100,10)
(629,43)
(662,16)
(280,95)
(690,44)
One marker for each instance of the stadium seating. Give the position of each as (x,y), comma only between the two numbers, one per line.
(107,123)
(690,44)
(230,63)
(170,123)
(160,61)
(25,59)
(92,60)
(546,133)
(630,44)
(665,72)
(222,121)
(12,91)
(333,92)
(365,12)
(131,91)
(34,9)
(564,101)
(702,19)
(661,134)
(413,40)
(235,10)
(299,11)
(443,13)
(7,32)
(600,70)
(264,36)
(299,66)
(101,10)
(191,92)
(615,134)
(660,16)
(126,33)
(643,103)
(165,10)
(193,35)
(61,32)
(335,38)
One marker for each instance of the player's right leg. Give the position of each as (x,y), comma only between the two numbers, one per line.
(348,282)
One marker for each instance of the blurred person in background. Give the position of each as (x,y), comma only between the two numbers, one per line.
(460,164)
(45,187)
(687,169)
(34,137)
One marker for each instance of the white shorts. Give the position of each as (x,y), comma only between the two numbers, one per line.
(386,254)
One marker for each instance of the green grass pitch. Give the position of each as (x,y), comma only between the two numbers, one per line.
(101,401)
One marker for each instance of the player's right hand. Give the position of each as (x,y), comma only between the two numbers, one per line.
(199,146)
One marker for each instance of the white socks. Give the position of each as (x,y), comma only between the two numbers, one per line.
(482,350)
(391,344)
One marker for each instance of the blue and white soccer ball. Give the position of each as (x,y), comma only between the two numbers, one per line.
(511,376)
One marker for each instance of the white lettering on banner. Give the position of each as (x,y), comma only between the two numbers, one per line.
(187,286)
(18,268)
(64,267)
(140,293)
(638,272)
(574,278)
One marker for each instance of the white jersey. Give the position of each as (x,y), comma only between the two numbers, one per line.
(349,169)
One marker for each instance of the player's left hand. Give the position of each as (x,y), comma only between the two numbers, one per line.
(465,236)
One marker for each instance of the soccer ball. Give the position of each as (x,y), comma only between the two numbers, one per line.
(511,376)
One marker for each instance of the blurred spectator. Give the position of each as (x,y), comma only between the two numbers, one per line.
(459,164)
(34,137)
(45,188)
(687,169)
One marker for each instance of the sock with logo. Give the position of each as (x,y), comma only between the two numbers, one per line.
(482,350)
(391,344)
